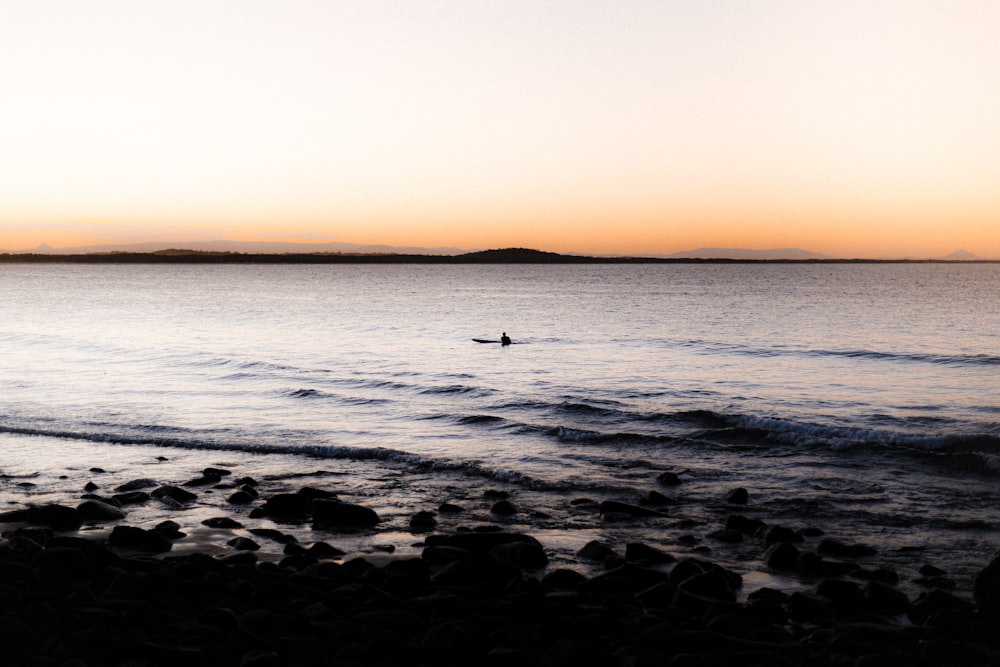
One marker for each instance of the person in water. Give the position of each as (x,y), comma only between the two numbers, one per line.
(505,339)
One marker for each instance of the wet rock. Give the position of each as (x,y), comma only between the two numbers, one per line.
(137,539)
(312,493)
(204,480)
(883,599)
(288,506)
(132,497)
(738,496)
(169,529)
(221,522)
(423,522)
(598,551)
(782,556)
(654,499)
(450,508)
(90,486)
(929,570)
(846,597)
(320,550)
(714,583)
(503,508)
(346,515)
(816,565)
(563,579)
(831,547)
(935,602)
(272,534)
(645,554)
(524,555)
(174,493)
(986,588)
(743,524)
(881,574)
(493,494)
(243,544)
(137,484)
(56,517)
(668,479)
(783,534)
(726,535)
(613,508)
(239,498)
(808,607)
(95,510)
(481,542)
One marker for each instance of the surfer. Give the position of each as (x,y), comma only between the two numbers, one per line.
(505,339)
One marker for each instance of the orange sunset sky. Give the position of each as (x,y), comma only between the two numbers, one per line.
(854,129)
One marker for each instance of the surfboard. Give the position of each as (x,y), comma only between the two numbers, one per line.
(480,340)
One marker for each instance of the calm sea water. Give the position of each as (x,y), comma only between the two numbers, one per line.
(860,399)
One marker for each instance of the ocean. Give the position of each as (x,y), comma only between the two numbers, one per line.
(862,400)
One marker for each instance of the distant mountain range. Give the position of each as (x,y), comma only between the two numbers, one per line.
(338,248)
(251,247)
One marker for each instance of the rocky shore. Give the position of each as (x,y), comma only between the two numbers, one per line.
(82,586)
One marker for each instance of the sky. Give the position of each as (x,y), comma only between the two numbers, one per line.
(854,129)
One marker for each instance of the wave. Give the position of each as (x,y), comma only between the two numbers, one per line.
(712,347)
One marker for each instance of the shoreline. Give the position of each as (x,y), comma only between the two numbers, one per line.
(211,566)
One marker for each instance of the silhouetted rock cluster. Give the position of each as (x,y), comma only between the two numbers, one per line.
(480,595)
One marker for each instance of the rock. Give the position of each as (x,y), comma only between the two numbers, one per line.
(883,575)
(596,550)
(272,534)
(204,480)
(478,542)
(563,579)
(668,479)
(738,496)
(222,522)
(90,486)
(346,515)
(611,508)
(886,600)
(243,544)
(525,555)
(846,597)
(239,498)
(287,506)
(169,529)
(312,493)
(654,499)
(449,508)
(57,517)
(727,535)
(493,494)
(137,539)
(986,588)
(321,550)
(95,510)
(839,549)
(776,534)
(645,554)
(781,556)
(137,484)
(132,497)
(937,601)
(423,522)
(174,493)
(714,583)
(503,508)
(930,571)
(743,524)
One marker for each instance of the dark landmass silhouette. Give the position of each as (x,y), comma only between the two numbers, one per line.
(497,256)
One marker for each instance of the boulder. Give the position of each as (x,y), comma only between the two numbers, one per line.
(781,556)
(222,522)
(328,512)
(287,506)
(527,556)
(643,553)
(95,510)
(174,493)
(136,484)
(503,508)
(668,479)
(838,549)
(986,588)
(137,539)
(611,508)
(597,550)
(56,517)
(738,496)
(131,497)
